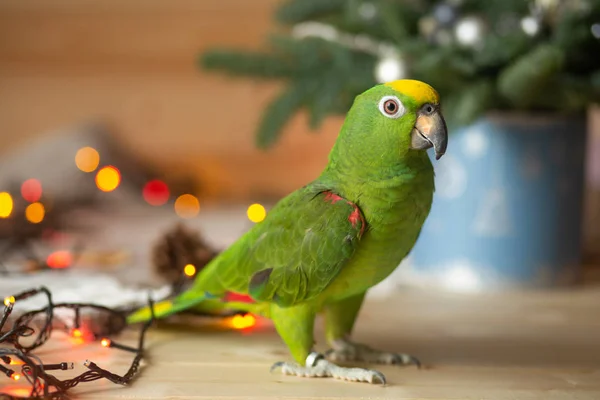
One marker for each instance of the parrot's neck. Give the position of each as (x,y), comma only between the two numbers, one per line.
(406,185)
(352,177)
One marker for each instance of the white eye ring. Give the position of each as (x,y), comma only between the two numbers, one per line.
(386,107)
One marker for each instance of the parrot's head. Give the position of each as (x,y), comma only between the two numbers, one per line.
(416,104)
(397,120)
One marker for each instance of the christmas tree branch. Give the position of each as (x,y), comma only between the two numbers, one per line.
(479,55)
(523,81)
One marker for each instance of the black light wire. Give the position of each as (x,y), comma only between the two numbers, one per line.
(43,384)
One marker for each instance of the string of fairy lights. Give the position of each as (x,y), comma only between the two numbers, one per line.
(108,178)
(18,362)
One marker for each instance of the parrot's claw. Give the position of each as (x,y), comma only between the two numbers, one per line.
(278,364)
(322,368)
(343,351)
(403,359)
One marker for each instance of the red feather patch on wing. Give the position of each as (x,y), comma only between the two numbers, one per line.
(332,197)
(355,216)
(238,297)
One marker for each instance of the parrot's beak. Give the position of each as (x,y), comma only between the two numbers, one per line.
(430,131)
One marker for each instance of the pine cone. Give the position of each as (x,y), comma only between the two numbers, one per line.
(177,248)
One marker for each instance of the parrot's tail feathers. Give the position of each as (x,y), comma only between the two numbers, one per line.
(166,308)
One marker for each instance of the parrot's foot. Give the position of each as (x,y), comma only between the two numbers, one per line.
(344,350)
(318,366)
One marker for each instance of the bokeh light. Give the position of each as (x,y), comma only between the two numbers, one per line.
(189,270)
(59,259)
(35,213)
(243,321)
(256,213)
(31,190)
(187,206)
(6,204)
(156,192)
(108,178)
(87,159)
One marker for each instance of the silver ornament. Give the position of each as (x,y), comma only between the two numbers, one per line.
(469,31)
(530,25)
(367,11)
(428,26)
(596,30)
(390,68)
(445,14)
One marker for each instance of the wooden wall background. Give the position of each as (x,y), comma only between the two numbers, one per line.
(132,64)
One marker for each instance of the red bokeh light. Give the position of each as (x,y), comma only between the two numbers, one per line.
(59,259)
(31,190)
(156,192)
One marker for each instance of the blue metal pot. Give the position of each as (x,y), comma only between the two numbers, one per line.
(508,205)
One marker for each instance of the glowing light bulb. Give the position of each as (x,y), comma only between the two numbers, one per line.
(15,376)
(9,300)
(76,333)
(6,204)
(243,321)
(156,192)
(189,270)
(187,206)
(31,190)
(108,178)
(256,213)
(109,343)
(87,159)
(35,213)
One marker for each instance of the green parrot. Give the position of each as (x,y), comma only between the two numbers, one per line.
(323,246)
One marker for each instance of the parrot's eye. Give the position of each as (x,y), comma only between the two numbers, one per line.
(391,107)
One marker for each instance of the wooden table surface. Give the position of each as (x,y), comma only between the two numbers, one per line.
(535,345)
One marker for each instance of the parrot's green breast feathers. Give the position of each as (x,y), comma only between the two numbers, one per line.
(419,91)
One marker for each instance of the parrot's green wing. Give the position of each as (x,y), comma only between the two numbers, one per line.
(293,254)
(288,258)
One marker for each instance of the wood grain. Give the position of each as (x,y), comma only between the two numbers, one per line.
(526,346)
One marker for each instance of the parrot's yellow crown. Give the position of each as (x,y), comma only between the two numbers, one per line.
(420,91)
